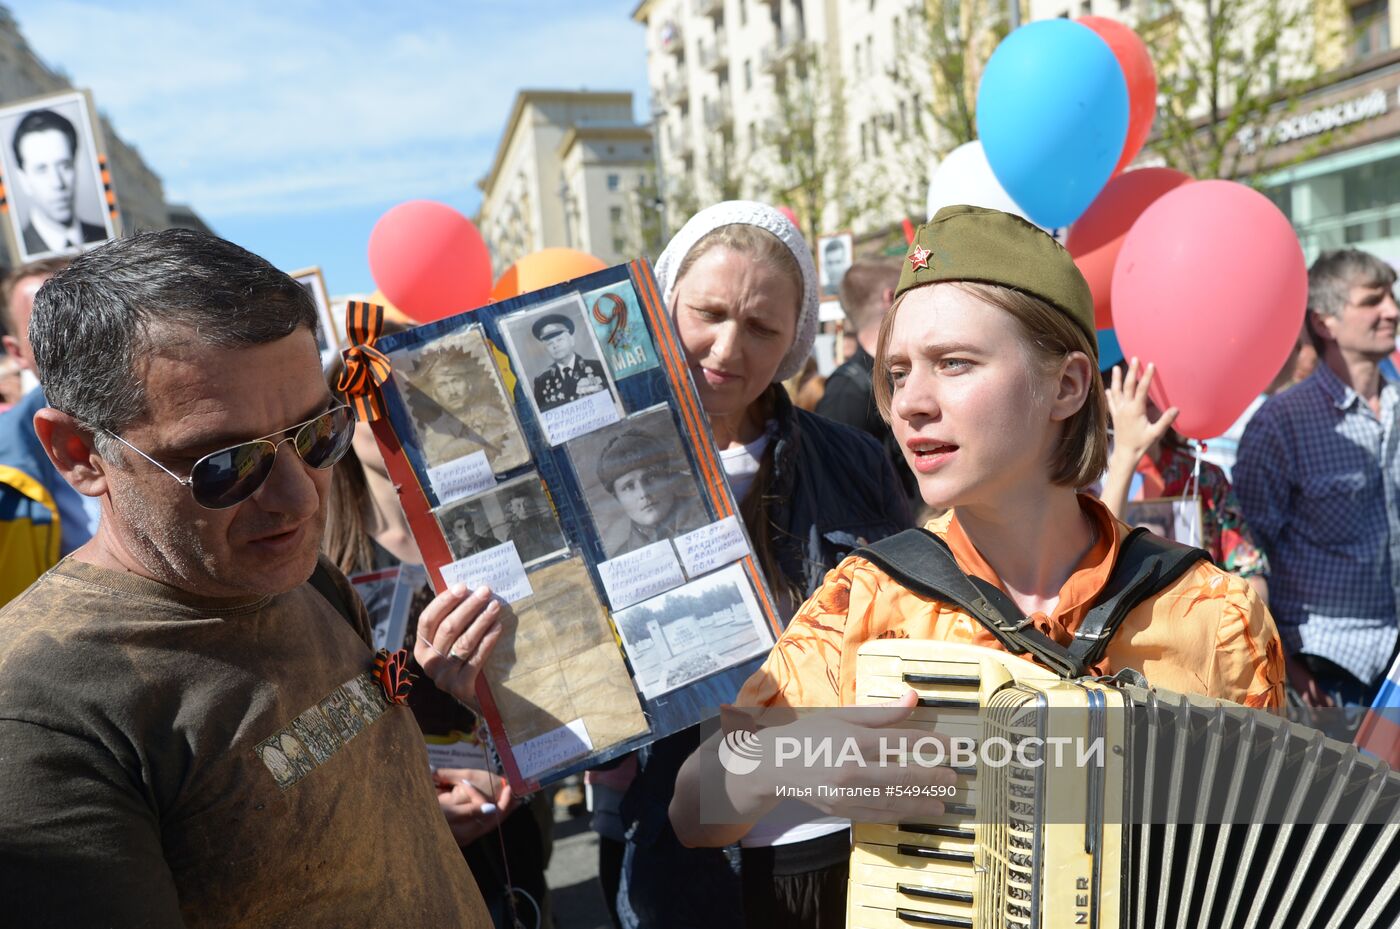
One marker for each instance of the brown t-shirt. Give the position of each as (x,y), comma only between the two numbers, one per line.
(169,760)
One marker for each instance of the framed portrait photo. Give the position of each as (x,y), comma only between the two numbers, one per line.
(459,407)
(637,481)
(561,368)
(328,341)
(835,253)
(515,511)
(52,164)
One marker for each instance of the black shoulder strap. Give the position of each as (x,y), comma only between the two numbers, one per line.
(1147,564)
(326,587)
(921,561)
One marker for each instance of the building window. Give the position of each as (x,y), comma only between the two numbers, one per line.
(864,141)
(614,181)
(1370,24)
(874,137)
(743,12)
(615,214)
(1087,7)
(619,245)
(748,74)
(753,137)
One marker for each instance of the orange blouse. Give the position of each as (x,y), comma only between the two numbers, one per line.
(1208,633)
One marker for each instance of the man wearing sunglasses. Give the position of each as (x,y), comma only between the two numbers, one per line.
(190,731)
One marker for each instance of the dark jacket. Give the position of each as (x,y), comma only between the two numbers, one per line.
(832,491)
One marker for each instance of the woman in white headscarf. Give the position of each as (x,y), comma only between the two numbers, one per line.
(742,291)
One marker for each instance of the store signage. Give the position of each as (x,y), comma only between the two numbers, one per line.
(1315,122)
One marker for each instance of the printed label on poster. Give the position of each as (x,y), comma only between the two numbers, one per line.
(621,329)
(465,477)
(580,417)
(642,574)
(712,546)
(498,568)
(459,753)
(540,754)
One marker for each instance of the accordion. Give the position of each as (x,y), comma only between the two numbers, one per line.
(1197,813)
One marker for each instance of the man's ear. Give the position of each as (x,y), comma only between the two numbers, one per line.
(70,447)
(1317,325)
(11,346)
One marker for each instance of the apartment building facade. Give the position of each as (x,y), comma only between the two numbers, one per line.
(573,170)
(717,71)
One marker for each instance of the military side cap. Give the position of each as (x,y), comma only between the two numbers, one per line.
(553,319)
(969,243)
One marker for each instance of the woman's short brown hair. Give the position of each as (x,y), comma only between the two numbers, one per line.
(1050,336)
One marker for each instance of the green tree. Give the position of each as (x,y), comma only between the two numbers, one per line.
(1227,70)
(804,164)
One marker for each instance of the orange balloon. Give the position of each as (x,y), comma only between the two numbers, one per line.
(542,269)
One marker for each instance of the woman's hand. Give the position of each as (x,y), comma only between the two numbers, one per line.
(466,799)
(1133,433)
(456,633)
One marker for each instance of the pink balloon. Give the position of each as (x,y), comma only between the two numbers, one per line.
(1210,286)
(429,260)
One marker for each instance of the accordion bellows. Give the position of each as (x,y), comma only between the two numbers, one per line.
(1200,814)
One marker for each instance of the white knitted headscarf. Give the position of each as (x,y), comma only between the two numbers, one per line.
(749,213)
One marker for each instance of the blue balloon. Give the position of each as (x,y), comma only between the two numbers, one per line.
(1110,352)
(1052,113)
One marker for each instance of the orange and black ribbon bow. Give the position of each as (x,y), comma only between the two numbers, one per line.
(366,367)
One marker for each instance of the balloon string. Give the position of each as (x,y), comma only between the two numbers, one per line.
(1193,493)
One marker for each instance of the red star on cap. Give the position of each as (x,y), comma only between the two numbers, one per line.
(919,259)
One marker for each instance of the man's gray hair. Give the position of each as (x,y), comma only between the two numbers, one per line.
(1334,274)
(129,297)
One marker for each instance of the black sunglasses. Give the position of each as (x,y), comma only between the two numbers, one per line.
(231,475)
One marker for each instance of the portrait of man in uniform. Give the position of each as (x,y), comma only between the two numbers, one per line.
(458,404)
(638,482)
(516,511)
(571,376)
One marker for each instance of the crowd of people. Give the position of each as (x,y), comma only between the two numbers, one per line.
(189,732)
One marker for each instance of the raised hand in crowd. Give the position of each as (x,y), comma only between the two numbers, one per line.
(1134,432)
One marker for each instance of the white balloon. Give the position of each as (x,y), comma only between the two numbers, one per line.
(966,177)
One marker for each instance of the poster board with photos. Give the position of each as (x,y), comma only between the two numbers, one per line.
(553,447)
(61,201)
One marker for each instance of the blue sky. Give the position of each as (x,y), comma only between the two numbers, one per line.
(292,126)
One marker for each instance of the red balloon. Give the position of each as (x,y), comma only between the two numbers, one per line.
(429,260)
(1211,287)
(791,216)
(1131,52)
(1096,237)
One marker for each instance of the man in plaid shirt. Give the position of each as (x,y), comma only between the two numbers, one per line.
(1318,477)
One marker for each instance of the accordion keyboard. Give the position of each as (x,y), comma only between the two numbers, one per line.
(1200,814)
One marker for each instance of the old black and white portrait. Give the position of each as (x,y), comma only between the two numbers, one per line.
(327,332)
(53,179)
(516,511)
(454,395)
(834,256)
(693,631)
(558,356)
(638,482)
